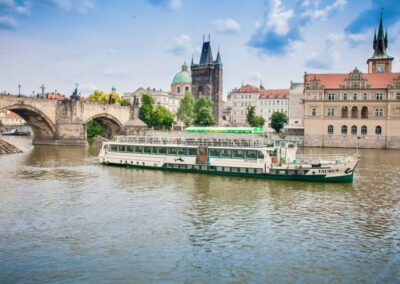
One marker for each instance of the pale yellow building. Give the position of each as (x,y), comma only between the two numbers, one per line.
(355,109)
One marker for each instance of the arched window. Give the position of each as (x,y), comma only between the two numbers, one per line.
(365,97)
(178,89)
(363,130)
(313,111)
(344,130)
(345,111)
(355,97)
(354,112)
(364,112)
(354,130)
(345,97)
(378,130)
(330,129)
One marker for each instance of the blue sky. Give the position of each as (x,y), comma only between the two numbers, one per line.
(130,44)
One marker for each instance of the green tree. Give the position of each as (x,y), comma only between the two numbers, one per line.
(203,112)
(185,111)
(162,118)
(94,128)
(252,119)
(104,98)
(146,110)
(125,102)
(278,121)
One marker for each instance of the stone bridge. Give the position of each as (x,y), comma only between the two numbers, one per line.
(63,122)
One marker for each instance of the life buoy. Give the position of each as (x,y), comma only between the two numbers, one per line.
(274,160)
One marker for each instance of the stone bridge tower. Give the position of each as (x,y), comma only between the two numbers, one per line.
(207,79)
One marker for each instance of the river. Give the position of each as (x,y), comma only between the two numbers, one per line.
(64,218)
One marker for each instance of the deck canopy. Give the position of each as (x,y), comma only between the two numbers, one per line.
(237,130)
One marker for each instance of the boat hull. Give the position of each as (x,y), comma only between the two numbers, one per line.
(309,178)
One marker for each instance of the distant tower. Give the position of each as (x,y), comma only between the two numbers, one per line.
(207,79)
(380,62)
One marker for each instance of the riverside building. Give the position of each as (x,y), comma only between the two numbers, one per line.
(266,102)
(355,109)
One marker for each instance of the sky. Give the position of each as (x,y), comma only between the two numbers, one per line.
(99,44)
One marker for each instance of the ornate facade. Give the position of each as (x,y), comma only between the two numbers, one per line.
(355,109)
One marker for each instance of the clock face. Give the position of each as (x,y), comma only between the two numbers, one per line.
(380,68)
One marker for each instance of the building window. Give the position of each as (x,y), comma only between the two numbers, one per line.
(344,130)
(345,111)
(345,97)
(365,97)
(313,111)
(331,97)
(330,129)
(355,97)
(398,96)
(364,112)
(200,89)
(331,112)
(354,130)
(379,97)
(363,130)
(378,130)
(379,112)
(354,112)
(178,89)
(186,89)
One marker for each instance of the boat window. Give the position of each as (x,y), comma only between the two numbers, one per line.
(225,153)
(260,155)
(154,150)
(214,153)
(251,155)
(114,148)
(147,150)
(181,151)
(237,154)
(171,151)
(121,148)
(138,149)
(162,151)
(129,149)
(192,152)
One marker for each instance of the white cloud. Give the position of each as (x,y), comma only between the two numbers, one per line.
(8,22)
(322,14)
(113,72)
(175,4)
(256,78)
(87,88)
(179,45)
(278,20)
(228,26)
(80,6)
(7,3)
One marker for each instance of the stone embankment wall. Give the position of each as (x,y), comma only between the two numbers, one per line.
(7,148)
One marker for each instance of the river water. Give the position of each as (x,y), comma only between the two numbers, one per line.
(64,218)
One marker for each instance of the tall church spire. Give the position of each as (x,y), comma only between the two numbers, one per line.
(380,42)
(206,54)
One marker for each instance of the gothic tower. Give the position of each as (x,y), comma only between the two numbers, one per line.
(380,62)
(207,79)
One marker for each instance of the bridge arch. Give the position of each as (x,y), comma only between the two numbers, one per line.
(112,126)
(42,126)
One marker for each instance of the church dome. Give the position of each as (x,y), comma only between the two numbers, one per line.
(183,77)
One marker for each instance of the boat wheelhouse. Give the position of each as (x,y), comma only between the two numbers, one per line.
(235,157)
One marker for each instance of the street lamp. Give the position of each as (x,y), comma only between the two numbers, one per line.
(19,90)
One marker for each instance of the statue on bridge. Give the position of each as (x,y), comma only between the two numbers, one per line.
(75,95)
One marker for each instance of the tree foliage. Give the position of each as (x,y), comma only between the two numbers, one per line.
(112,98)
(94,128)
(252,119)
(146,109)
(278,121)
(159,117)
(185,111)
(203,112)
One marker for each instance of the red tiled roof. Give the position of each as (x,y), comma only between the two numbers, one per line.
(274,93)
(249,89)
(332,81)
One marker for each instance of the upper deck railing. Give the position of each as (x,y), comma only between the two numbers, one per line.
(195,141)
(317,158)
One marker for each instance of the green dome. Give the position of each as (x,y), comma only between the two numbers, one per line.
(182,77)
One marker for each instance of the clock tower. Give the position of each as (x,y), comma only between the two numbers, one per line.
(380,62)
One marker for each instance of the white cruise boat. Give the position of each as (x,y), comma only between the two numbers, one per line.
(232,157)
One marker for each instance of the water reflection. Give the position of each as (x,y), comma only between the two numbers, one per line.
(64,217)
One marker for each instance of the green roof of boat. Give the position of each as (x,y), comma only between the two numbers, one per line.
(237,130)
